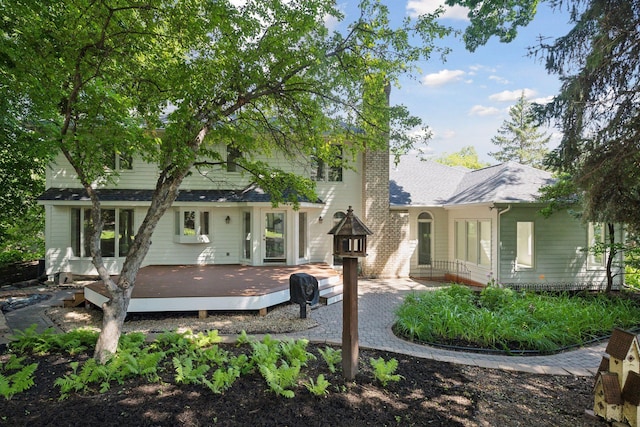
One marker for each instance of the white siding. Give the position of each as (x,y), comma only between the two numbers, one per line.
(560,255)
(226,239)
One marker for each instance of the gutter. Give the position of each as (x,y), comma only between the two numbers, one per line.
(499,242)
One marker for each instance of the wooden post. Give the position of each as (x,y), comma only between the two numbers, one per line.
(350,318)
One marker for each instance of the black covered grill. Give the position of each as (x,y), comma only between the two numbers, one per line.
(303,290)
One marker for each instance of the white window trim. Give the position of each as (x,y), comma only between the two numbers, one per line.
(200,236)
(479,250)
(83,236)
(592,264)
(531,248)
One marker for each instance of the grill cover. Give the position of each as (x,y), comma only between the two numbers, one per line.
(303,289)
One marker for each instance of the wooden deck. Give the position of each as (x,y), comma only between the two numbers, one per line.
(215,287)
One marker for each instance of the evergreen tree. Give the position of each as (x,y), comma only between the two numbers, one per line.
(519,137)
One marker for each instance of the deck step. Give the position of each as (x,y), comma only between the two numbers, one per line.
(331,298)
(74,300)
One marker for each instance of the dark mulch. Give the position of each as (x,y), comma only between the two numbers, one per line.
(429,394)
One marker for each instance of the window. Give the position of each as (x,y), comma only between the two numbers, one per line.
(322,171)
(473,241)
(596,237)
(524,244)
(484,233)
(302,235)
(111,243)
(233,154)
(191,226)
(425,222)
(120,162)
(246,242)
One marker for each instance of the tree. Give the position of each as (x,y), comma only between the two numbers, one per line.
(22,170)
(100,77)
(519,137)
(467,157)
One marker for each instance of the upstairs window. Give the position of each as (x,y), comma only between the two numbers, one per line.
(322,171)
(119,162)
(233,154)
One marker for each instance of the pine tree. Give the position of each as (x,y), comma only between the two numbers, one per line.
(519,136)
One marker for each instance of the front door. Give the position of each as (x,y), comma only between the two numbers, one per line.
(275,237)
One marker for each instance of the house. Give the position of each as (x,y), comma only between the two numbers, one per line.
(485,225)
(427,219)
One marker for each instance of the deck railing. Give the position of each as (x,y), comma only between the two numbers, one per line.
(444,271)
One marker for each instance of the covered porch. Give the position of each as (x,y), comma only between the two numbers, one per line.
(205,288)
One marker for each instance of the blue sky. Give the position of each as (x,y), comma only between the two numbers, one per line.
(465,100)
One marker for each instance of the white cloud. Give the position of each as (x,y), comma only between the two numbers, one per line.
(512,95)
(543,100)
(481,110)
(442,77)
(421,7)
(499,79)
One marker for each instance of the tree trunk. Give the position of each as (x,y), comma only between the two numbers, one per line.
(611,253)
(115,310)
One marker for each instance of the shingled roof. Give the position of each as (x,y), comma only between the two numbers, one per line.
(631,389)
(620,343)
(249,194)
(611,388)
(416,182)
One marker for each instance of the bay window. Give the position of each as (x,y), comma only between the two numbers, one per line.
(191,226)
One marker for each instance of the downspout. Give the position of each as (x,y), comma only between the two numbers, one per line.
(499,242)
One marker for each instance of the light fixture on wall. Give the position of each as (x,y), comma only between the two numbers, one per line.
(320,219)
(227,219)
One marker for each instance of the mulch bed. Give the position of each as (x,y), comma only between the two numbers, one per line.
(430,393)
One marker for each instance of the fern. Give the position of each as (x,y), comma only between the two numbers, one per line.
(384,371)
(202,340)
(296,351)
(16,377)
(186,373)
(319,388)
(222,379)
(265,352)
(32,341)
(243,338)
(74,342)
(215,355)
(332,357)
(281,378)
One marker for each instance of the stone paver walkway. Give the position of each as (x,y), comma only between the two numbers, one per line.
(377,301)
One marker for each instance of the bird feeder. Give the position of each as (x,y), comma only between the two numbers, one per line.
(350,237)
(350,243)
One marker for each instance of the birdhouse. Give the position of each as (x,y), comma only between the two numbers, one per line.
(624,353)
(350,236)
(608,401)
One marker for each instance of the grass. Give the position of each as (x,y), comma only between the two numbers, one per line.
(503,319)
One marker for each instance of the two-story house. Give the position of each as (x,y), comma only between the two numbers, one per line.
(428,220)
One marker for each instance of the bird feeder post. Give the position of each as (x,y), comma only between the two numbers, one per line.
(350,243)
